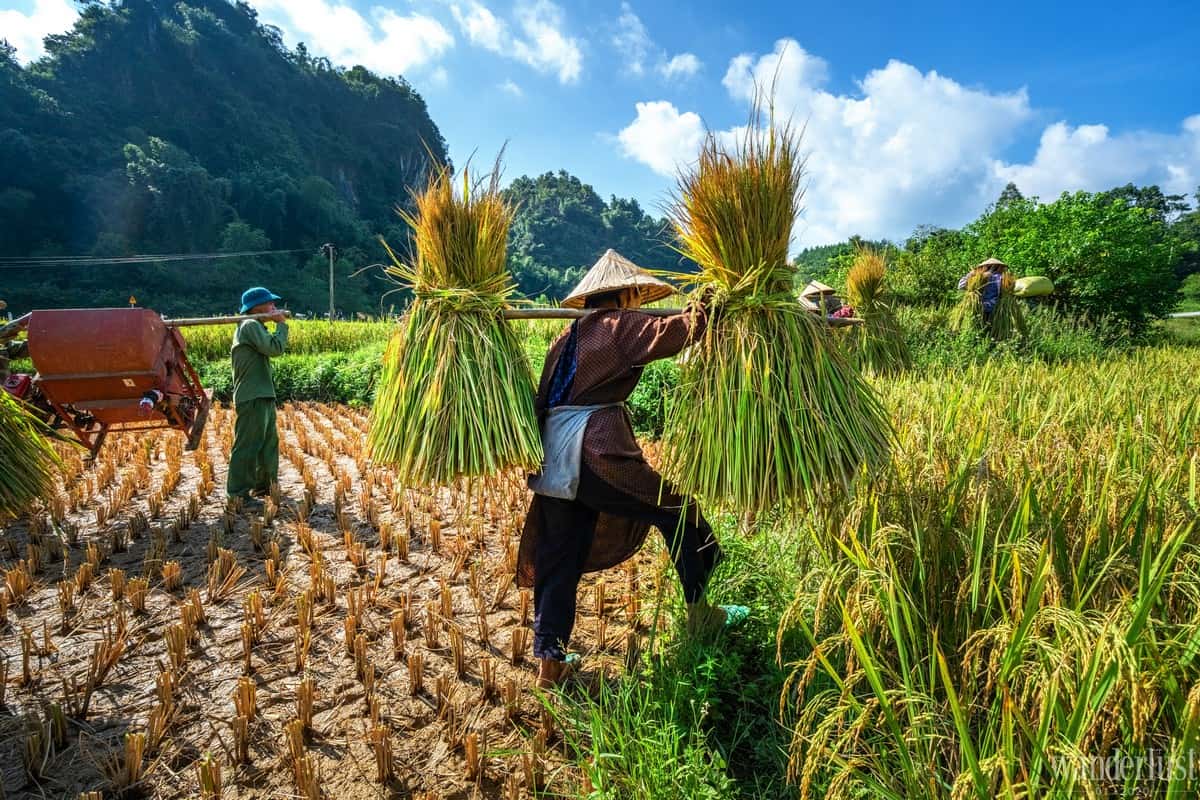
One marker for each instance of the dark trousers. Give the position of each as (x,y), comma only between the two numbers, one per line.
(567,530)
(254,459)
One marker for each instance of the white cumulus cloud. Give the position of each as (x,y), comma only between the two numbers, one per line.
(1090,158)
(26,31)
(639,54)
(661,137)
(512,88)
(388,42)
(683,65)
(912,147)
(540,40)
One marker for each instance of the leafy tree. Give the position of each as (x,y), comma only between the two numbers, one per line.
(1011,194)
(1106,256)
(927,270)
(562,226)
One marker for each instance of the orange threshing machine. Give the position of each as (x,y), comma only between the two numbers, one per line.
(111,370)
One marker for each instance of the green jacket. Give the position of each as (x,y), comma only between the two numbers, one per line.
(252,350)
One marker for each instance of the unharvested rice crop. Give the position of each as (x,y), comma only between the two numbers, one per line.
(305,337)
(1015,603)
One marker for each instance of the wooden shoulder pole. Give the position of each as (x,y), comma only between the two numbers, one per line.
(576,313)
(186,322)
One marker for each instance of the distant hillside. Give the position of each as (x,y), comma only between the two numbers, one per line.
(164,126)
(562,226)
(159,126)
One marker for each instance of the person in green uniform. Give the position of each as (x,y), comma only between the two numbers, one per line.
(254,460)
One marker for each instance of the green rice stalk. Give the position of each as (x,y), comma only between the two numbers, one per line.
(1008,318)
(878,345)
(455,397)
(28,464)
(768,412)
(968,313)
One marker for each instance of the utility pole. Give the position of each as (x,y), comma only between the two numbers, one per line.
(328,249)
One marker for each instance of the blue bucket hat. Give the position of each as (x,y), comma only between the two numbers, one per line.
(255,297)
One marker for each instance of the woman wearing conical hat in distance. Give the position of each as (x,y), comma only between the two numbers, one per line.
(596,497)
(993,269)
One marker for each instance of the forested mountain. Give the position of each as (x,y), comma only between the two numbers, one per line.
(186,126)
(562,226)
(157,126)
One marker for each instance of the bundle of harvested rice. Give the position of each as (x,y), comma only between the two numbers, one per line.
(28,464)
(967,314)
(878,345)
(768,414)
(1008,318)
(455,397)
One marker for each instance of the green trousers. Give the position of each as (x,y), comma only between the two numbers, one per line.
(254,460)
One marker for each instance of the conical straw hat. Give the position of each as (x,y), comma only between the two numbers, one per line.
(991,262)
(612,273)
(816,287)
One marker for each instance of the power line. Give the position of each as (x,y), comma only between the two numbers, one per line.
(21,262)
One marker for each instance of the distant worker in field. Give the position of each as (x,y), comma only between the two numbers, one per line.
(818,297)
(254,460)
(10,351)
(991,273)
(596,497)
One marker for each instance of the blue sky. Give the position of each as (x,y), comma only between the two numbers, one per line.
(916,113)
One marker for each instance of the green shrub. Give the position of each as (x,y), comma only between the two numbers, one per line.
(329,377)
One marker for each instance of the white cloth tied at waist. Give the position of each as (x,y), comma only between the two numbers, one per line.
(562,446)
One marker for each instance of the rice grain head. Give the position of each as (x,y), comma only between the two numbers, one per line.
(768,412)
(878,345)
(456,392)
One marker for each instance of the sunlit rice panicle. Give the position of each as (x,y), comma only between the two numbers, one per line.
(878,345)
(768,412)
(28,464)
(455,396)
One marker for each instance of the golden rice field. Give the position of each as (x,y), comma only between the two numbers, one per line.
(212,342)
(1016,602)
(1016,596)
